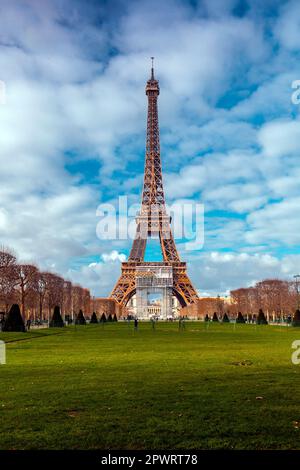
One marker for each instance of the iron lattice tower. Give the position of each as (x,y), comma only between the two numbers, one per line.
(153,218)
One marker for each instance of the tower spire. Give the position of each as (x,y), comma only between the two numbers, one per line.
(152,68)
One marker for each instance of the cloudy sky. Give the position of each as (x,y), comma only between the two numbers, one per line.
(73,130)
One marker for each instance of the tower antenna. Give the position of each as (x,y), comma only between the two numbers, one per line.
(152,68)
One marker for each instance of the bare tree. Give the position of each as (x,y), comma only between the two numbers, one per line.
(276,297)
(77,298)
(33,289)
(86,301)
(41,286)
(241,298)
(67,298)
(8,277)
(26,275)
(54,290)
(7,257)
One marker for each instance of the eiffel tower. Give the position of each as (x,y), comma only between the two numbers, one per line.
(153,220)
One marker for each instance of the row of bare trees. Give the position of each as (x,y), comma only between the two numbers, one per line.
(38,292)
(277,298)
(273,296)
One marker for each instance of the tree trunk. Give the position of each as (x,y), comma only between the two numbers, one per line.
(41,309)
(23,304)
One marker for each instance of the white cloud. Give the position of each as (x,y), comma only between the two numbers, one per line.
(288,25)
(272,94)
(276,222)
(113,256)
(75,76)
(280,138)
(221,272)
(99,276)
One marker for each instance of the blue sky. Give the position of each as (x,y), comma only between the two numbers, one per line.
(73,131)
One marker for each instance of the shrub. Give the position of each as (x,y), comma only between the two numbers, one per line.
(206,317)
(261,319)
(109,318)
(225,318)
(296,318)
(57,321)
(215,317)
(115,317)
(240,318)
(14,320)
(80,320)
(103,318)
(94,318)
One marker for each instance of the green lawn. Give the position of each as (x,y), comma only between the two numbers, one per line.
(110,387)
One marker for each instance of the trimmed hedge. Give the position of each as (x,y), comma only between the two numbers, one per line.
(225,318)
(109,318)
(261,319)
(215,317)
(94,318)
(240,318)
(80,320)
(14,320)
(57,321)
(296,318)
(103,318)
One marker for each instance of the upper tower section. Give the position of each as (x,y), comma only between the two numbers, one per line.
(152,87)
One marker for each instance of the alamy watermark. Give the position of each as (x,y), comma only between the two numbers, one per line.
(295,97)
(184,221)
(296,354)
(2,352)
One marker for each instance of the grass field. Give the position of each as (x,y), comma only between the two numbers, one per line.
(208,387)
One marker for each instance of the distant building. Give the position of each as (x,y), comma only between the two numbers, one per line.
(207,306)
(108,306)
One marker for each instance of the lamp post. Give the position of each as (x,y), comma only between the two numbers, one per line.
(297,281)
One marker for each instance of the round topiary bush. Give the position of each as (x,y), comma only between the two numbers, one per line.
(14,320)
(215,317)
(80,320)
(261,319)
(240,318)
(296,318)
(94,318)
(225,318)
(57,321)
